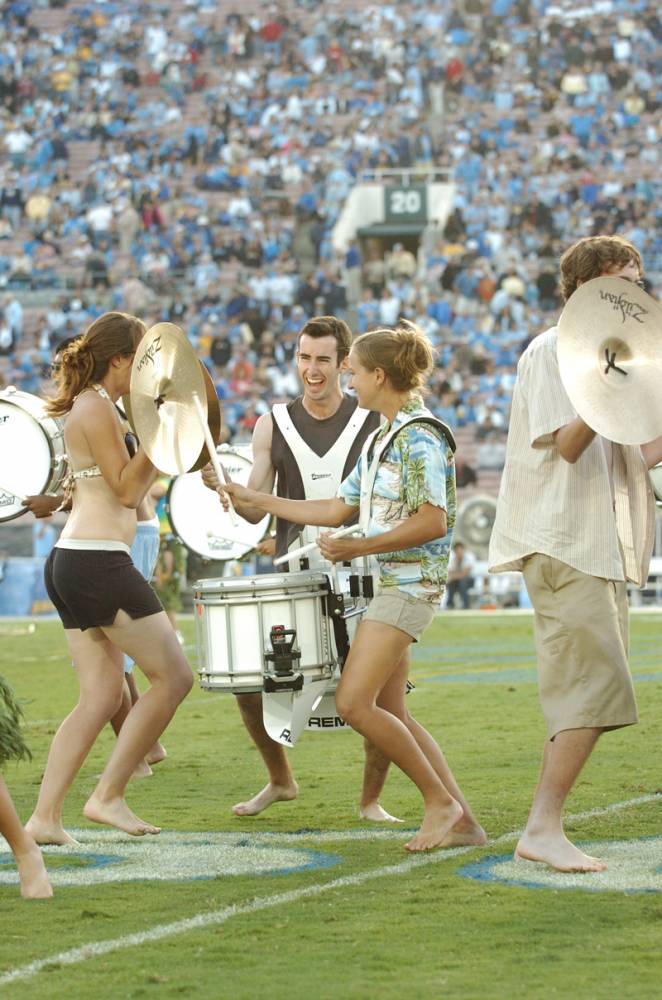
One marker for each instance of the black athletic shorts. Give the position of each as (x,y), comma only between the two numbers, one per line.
(89,586)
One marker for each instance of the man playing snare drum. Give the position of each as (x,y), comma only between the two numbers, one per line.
(315,439)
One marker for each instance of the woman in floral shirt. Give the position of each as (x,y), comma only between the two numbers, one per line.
(404,486)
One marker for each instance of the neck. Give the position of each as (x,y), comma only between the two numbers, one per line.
(321,409)
(110,389)
(392,403)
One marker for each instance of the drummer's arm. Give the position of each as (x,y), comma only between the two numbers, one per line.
(262,475)
(43,504)
(325,513)
(573,439)
(128,478)
(652,452)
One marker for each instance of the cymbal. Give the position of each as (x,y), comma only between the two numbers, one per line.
(165,377)
(609,351)
(213,417)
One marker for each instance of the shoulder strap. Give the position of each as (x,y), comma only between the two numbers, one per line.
(372,457)
(432,421)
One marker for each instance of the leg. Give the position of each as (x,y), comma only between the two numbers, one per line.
(30,864)
(581,628)
(375,769)
(544,839)
(376,656)
(281,786)
(143,770)
(158,752)
(100,675)
(467,830)
(451,591)
(152,643)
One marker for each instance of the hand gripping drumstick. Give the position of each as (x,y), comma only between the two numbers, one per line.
(218,468)
(352,530)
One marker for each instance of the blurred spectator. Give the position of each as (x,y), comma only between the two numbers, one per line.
(461,565)
(193,167)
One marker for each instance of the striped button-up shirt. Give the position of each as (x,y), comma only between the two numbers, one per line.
(565,510)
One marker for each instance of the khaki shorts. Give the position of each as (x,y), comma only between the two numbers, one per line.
(395,607)
(581,630)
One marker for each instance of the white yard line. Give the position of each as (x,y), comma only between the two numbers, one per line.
(162,931)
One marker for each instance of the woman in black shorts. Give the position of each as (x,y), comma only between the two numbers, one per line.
(106,606)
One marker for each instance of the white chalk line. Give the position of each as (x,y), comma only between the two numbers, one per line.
(161,931)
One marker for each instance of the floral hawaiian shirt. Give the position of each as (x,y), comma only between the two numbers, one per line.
(417,468)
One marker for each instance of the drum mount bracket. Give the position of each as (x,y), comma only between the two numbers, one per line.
(285,658)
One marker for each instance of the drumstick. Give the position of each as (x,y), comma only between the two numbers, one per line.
(353,529)
(218,468)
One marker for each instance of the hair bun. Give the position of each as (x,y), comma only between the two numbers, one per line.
(77,353)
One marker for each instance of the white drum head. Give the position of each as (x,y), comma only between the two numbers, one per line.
(198,519)
(25,459)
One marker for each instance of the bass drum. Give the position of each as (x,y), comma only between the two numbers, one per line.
(32,455)
(197,517)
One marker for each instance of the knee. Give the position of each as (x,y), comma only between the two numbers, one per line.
(102,705)
(181,682)
(350,709)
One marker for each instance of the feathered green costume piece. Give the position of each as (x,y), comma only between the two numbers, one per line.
(12,744)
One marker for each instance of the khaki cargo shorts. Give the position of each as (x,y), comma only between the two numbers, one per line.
(581,631)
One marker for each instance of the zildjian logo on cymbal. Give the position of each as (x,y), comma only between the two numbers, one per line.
(153,349)
(627,306)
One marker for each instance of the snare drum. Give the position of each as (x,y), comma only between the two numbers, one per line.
(197,517)
(32,455)
(234,617)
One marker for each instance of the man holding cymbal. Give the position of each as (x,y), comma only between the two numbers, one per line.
(576,515)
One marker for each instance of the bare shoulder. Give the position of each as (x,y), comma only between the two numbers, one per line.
(90,404)
(262,474)
(263,433)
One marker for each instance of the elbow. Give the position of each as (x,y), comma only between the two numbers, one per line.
(129,500)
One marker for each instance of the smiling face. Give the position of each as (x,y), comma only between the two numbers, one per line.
(364,382)
(317,363)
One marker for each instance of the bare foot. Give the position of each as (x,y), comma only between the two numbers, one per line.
(465,834)
(374,812)
(156,754)
(436,825)
(270,793)
(49,833)
(115,812)
(33,875)
(556,851)
(142,770)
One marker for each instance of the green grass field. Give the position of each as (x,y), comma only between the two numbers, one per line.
(306,900)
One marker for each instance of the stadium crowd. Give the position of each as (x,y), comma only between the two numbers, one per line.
(189,164)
